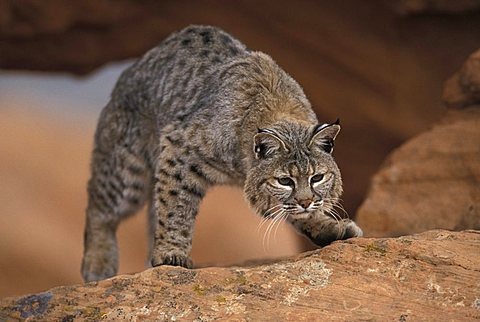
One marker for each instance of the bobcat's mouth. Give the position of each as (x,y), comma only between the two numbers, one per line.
(296,211)
(301,215)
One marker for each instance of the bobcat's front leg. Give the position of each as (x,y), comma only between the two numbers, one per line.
(177,194)
(322,230)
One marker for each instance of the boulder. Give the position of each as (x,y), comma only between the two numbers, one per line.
(463,88)
(429,276)
(433,180)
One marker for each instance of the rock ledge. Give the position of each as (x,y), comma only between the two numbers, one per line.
(410,278)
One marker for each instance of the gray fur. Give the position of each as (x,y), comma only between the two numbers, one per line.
(186,116)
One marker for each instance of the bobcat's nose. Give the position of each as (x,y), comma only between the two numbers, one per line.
(305,203)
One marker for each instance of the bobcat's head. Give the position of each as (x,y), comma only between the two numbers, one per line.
(294,175)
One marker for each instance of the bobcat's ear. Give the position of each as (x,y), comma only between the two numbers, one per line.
(323,136)
(266,143)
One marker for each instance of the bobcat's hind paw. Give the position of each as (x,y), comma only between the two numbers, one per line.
(96,267)
(172,257)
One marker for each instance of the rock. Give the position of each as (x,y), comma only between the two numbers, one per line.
(431,181)
(436,6)
(411,278)
(463,88)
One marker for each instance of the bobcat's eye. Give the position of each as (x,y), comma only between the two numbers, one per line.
(316,178)
(285,181)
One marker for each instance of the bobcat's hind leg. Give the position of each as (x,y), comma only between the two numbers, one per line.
(151,228)
(100,258)
(117,189)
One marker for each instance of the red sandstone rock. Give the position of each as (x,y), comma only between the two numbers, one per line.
(436,6)
(431,276)
(463,88)
(431,181)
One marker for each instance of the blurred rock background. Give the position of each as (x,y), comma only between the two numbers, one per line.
(378,65)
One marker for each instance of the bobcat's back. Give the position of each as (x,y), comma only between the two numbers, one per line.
(170,81)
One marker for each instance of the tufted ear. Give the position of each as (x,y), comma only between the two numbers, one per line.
(266,143)
(323,136)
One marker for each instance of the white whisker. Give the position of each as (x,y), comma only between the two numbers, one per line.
(268,214)
(339,225)
(282,218)
(335,203)
(332,214)
(276,222)
(340,207)
(265,236)
(271,226)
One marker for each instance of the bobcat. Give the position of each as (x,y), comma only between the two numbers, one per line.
(198,110)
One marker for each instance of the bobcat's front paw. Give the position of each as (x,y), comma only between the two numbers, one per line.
(172,257)
(352,230)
